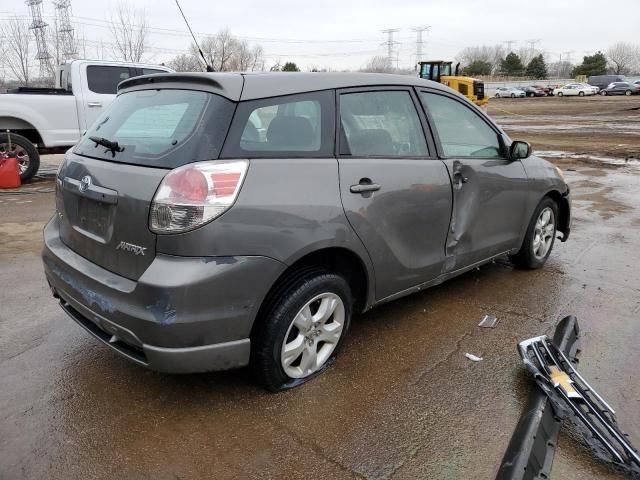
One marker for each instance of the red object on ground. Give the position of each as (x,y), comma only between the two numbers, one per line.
(9,173)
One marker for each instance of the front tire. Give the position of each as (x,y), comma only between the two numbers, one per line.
(540,237)
(603,93)
(513,95)
(26,154)
(581,94)
(301,330)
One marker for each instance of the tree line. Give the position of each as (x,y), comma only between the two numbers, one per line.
(621,58)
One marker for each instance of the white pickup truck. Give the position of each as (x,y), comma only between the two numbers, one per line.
(52,119)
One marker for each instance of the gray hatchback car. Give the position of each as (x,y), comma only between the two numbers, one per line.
(211,221)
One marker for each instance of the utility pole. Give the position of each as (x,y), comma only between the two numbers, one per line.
(509,43)
(39,26)
(419,41)
(65,29)
(568,55)
(390,44)
(532,45)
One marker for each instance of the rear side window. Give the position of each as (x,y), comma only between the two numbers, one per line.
(105,79)
(290,126)
(461,130)
(149,71)
(164,128)
(380,124)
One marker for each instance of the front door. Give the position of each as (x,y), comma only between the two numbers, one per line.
(395,192)
(489,191)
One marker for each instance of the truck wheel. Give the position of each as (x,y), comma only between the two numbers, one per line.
(302,328)
(540,236)
(24,151)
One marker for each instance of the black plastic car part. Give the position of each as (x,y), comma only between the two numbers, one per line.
(532,447)
(568,397)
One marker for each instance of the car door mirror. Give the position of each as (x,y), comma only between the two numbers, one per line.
(519,150)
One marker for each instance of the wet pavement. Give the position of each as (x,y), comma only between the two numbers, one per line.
(401,402)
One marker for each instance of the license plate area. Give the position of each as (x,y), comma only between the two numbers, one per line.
(94,218)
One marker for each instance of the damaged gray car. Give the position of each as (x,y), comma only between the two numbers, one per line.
(211,221)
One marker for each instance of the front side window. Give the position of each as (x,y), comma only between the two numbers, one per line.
(380,124)
(105,79)
(288,126)
(165,128)
(461,130)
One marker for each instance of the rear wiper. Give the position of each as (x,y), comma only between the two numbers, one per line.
(112,146)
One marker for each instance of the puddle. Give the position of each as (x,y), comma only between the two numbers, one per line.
(588,157)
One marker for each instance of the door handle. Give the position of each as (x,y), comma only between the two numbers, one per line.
(365,186)
(94,104)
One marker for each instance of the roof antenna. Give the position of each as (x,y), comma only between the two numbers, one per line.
(209,67)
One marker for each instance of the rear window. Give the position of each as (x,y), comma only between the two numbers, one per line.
(163,128)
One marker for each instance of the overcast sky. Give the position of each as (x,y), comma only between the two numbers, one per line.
(343,34)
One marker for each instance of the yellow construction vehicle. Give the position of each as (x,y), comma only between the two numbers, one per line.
(441,72)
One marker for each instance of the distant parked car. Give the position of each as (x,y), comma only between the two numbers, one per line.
(573,89)
(534,91)
(548,90)
(509,92)
(621,88)
(593,88)
(603,81)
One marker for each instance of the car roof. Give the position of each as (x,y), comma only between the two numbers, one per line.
(248,86)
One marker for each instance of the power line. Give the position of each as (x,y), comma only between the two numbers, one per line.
(39,31)
(390,44)
(419,41)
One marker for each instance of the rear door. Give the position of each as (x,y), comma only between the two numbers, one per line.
(489,191)
(396,194)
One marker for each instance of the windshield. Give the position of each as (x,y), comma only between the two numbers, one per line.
(164,128)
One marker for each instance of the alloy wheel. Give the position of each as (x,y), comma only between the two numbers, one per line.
(20,153)
(543,233)
(313,335)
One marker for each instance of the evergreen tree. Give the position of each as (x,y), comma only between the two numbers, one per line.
(478,67)
(595,64)
(290,67)
(537,68)
(512,65)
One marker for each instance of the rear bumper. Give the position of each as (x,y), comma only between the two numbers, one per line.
(184,314)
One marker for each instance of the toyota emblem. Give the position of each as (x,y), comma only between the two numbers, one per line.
(85,183)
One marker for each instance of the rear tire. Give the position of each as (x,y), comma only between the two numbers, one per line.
(293,341)
(559,94)
(627,93)
(26,154)
(581,94)
(603,93)
(513,95)
(540,237)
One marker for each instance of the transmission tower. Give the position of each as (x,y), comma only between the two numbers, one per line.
(390,44)
(65,29)
(509,43)
(419,41)
(39,31)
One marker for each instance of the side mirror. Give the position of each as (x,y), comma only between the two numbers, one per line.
(519,150)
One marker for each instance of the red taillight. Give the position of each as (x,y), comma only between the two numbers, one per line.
(224,184)
(190,184)
(195,194)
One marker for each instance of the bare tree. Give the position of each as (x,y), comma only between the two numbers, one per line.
(623,58)
(185,63)
(17,45)
(130,33)
(225,53)
(378,64)
(491,55)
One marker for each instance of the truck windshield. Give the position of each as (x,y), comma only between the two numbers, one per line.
(160,128)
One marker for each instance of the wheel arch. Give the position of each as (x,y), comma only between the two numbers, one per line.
(21,127)
(564,212)
(338,260)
